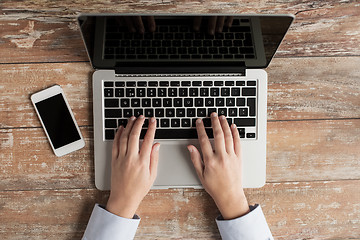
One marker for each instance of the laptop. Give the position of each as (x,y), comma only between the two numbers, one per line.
(179,68)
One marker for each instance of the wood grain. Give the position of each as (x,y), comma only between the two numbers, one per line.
(297,151)
(306,210)
(41,31)
(328,88)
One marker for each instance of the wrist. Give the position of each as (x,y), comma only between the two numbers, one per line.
(233,206)
(119,207)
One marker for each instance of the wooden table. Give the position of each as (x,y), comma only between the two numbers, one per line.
(313,156)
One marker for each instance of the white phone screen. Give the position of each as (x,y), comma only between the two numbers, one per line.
(57,121)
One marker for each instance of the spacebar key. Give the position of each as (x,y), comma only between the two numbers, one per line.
(189,133)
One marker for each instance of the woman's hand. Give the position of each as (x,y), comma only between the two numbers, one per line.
(133,170)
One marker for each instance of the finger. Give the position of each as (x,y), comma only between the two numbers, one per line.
(149,138)
(197,23)
(229,143)
(236,139)
(125,136)
(220,24)
(154,160)
(151,23)
(139,25)
(229,21)
(205,145)
(197,162)
(130,24)
(212,25)
(134,136)
(219,140)
(115,147)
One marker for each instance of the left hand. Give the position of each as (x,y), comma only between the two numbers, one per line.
(133,170)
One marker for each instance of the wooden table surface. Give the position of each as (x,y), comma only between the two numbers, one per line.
(313,153)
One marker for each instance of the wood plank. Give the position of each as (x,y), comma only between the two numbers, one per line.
(39,31)
(297,151)
(307,210)
(326,92)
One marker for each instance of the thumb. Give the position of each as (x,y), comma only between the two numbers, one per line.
(154,159)
(196,159)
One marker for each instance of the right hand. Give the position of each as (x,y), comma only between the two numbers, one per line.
(220,169)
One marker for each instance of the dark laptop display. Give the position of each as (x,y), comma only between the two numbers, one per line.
(178,40)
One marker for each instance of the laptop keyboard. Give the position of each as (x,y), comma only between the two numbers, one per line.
(175,41)
(177,104)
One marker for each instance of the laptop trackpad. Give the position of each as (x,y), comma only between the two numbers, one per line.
(175,166)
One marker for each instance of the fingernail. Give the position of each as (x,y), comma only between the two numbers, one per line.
(132,118)
(233,125)
(141,116)
(157,147)
(190,149)
(152,119)
(198,121)
(222,117)
(214,114)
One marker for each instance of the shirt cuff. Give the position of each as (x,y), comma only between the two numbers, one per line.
(105,225)
(253,225)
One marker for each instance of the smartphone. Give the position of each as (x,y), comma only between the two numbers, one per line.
(57,120)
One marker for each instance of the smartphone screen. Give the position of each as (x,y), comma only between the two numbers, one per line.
(57,120)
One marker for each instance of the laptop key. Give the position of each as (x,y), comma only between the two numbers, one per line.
(138,112)
(130,92)
(110,123)
(111,102)
(135,102)
(199,102)
(128,113)
(244,122)
(167,102)
(149,112)
(243,112)
(201,112)
(156,102)
(108,92)
(119,92)
(122,122)
(209,102)
(180,112)
(188,102)
(183,92)
(190,112)
(153,84)
(146,102)
(140,92)
(183,133)
(214,92)
(252,106)
(185,122)
(222,111)
(240,102)
(220,102)
(170,112)
(125,102)
(109,134)
(178,102)
(193,92)
(164,123)
(159,112)
(175,122)
(113,113)
(250,135)
(108,84)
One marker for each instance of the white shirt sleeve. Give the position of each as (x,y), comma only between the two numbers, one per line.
(108,226)
(252,226)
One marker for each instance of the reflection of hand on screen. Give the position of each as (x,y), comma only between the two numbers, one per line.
(215,23)
(136,23)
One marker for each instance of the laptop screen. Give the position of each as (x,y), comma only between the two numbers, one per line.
(123,40)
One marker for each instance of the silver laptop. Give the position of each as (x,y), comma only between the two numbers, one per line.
(179,68)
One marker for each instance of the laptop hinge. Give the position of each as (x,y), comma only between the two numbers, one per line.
(228,69)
